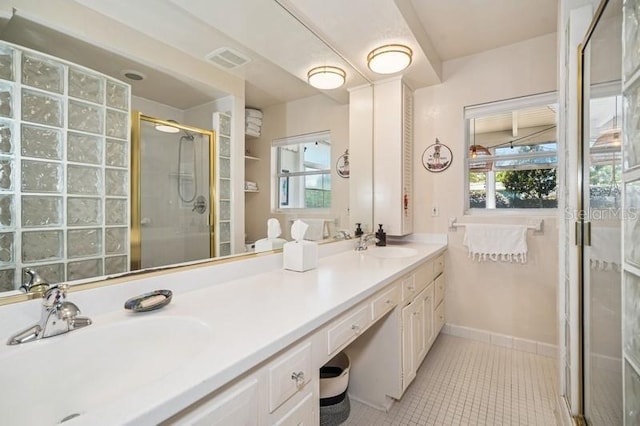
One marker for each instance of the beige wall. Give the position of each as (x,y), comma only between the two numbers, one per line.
(307,115)
(517,300)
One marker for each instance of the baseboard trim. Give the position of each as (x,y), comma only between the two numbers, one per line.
(497,339)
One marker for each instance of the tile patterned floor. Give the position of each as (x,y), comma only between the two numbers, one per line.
(465,382)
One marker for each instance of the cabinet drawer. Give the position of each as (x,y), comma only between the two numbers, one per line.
(346,329)
(411,286)
(439,289)
(424,275)
(238,406)
(438,318)
(385,302)
(438,266)
(289,374)
(300,415)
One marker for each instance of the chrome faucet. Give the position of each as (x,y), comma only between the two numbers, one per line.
(58,316)
(342,234)
(364,241)
(36,282)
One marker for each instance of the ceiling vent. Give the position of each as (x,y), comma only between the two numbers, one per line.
(227,58)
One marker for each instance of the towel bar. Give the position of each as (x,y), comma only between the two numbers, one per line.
(536,224)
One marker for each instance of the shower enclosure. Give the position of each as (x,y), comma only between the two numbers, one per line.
(172,191)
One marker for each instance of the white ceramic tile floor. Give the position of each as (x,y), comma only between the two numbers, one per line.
(466,382)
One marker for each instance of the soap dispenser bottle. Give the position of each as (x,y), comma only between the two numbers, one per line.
(381,237)
(359,230)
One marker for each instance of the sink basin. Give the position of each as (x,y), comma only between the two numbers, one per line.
(391,252)
(59,378)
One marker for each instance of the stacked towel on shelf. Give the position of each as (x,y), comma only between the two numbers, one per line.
(507,243)
(252,121)
(250,186)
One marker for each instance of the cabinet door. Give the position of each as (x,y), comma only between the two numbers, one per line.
(303,414)
(429,309)
(413,339)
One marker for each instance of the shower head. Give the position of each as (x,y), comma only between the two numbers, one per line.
(187,135)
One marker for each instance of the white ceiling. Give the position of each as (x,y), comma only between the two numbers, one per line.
(285,38)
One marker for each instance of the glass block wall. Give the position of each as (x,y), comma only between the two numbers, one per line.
(64,169)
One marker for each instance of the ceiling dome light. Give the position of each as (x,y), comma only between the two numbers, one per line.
(167,128)
(326,77)
(389,59)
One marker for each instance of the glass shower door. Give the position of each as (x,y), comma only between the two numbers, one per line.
(602,260)
(175,188)
(601,188)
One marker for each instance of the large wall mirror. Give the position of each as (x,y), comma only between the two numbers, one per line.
(176,89)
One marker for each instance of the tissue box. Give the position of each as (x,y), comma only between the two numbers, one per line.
(267,244)
(300,256)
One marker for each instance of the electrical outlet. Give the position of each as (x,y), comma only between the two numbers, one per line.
(434,211)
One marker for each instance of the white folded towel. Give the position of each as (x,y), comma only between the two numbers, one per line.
(252,112)
(605,253)
(253,120)
(252,128)
(252,133)
(507,243)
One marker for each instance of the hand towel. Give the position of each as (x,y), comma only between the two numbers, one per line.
(316,229)
(606,248)
(506,243)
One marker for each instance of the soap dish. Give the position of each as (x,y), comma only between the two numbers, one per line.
(149,301)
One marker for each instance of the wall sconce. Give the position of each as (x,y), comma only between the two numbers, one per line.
(326,77)
(389,59)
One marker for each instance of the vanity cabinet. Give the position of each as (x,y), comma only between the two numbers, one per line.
(386,336)
(398,343)
(281,391)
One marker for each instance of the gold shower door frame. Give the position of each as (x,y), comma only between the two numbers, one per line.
(136,167)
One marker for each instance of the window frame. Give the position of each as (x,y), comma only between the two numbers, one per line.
(276,173)
(479,110)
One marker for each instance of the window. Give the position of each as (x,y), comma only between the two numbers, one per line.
(605,146)
(512,155)
(303,171)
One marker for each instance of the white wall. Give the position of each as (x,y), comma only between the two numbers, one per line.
(84,23)
(517,300)
(312,114)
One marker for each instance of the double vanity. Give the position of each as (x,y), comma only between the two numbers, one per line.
(240,343)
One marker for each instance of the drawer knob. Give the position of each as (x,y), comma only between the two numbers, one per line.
(298,377)
(388,302)
(355,328)
(411,287)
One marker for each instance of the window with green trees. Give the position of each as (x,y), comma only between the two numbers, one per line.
(512,154)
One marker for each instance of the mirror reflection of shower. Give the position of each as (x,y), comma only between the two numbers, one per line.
(175,190)
(186,178)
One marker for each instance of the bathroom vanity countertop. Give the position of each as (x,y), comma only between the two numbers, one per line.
(250,320)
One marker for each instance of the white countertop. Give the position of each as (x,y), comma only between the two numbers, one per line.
(250,319)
